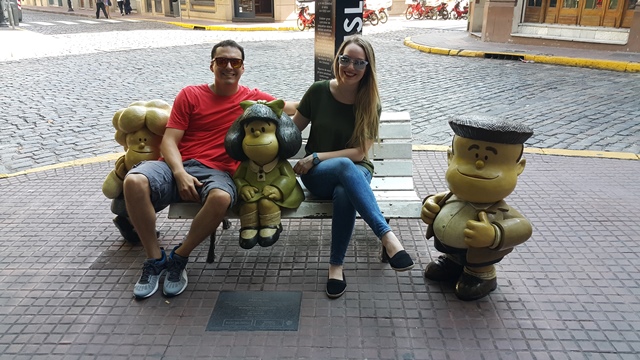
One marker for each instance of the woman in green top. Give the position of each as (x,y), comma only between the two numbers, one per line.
(344,114)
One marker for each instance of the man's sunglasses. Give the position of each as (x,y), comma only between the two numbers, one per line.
(344,60)
(222,62)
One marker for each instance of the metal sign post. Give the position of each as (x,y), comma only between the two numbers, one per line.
(335,21)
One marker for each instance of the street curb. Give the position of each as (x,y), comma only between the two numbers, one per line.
(230,28)
(435,148)
(621,66)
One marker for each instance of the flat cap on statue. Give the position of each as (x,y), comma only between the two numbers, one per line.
(490,128)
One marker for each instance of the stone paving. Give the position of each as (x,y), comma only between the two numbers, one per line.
(571,292)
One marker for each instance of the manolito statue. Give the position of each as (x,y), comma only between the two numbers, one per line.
(471,223)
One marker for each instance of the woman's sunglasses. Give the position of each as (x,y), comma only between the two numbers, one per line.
(344,60)
(222,62)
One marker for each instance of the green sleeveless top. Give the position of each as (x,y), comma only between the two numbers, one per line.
(332,122)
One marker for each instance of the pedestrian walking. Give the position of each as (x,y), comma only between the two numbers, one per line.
(127,7)
(121,7)
(100,5)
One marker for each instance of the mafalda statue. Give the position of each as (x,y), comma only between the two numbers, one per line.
(471,224)
(263,138)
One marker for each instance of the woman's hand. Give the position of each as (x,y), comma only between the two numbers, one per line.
(303,165)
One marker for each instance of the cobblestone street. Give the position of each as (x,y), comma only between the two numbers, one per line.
(61,106)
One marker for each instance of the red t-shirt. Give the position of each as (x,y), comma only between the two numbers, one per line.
(205,118)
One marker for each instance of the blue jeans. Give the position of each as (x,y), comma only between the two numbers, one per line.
(347,184)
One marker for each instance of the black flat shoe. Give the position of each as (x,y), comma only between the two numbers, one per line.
(401,261)
(248,243)
(335,287)
(270,240)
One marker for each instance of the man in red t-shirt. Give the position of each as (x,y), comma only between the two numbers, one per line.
(195,168)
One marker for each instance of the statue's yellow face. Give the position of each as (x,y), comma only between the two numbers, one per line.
(481,171)
(260,143)
(143,141)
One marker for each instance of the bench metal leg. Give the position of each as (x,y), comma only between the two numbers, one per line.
(211,255)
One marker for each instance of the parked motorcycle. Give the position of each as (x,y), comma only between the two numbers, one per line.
(370,16)
(383,15)
(458,13)
(441,10)
(305,20)
(418,10)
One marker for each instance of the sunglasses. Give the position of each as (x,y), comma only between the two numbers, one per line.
(344,60)
(223,62)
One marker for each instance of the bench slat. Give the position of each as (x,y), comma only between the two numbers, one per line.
(311,209)
(394,150)
(385,167)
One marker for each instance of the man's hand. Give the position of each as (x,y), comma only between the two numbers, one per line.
(479,234)
(187,186)
(430,208)
(272,193)
(248,192)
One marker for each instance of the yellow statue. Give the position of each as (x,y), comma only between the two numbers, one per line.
(139,129)
(471,224)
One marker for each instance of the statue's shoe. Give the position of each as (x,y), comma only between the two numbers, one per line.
(443,269)
(248,243)
(266,241)
(470,287)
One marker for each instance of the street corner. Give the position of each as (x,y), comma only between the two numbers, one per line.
(429,49)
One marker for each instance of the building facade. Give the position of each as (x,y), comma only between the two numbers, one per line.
(611,25)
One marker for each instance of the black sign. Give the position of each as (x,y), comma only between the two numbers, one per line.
(335,21)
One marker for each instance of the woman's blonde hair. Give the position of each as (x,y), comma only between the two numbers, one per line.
(367,104)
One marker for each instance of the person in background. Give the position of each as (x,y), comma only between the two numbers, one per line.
(127,7)
(121,7)
(344,114)
(101,6)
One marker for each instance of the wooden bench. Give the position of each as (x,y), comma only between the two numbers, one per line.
(392,181)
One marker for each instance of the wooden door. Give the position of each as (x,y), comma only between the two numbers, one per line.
(551,15)
(533,11)
(627,16)
(593,12)
(568,12)
(613,13)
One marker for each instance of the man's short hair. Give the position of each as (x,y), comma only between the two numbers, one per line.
(491,129)
(226,43)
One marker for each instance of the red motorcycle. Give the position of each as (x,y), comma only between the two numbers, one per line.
(442,11)
(383,15)
(458,13)
(370,16)
(305,20)
(418,10)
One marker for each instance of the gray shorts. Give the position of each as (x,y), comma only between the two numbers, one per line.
(163,185)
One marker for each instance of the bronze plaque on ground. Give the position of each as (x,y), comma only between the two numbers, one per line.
(256,311)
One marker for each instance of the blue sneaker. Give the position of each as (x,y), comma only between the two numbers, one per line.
(176,280)
(152,271)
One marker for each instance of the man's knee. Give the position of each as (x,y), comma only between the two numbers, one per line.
(135,185)
(218,198)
